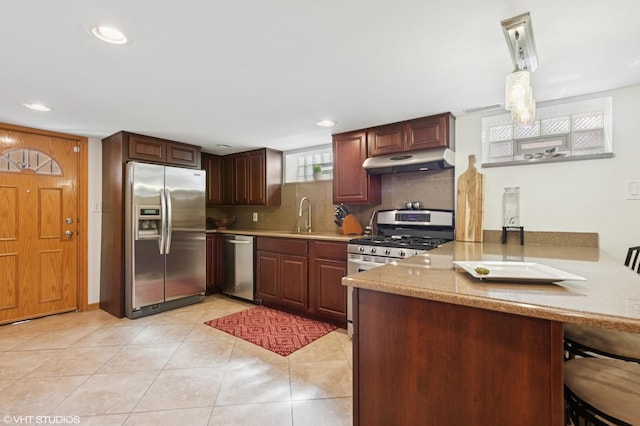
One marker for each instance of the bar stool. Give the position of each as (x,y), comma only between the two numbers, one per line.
(589,341)
(583,341)
(632,259)
(601,391)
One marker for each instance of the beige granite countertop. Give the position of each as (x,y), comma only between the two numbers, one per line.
(326,236)
(610,296)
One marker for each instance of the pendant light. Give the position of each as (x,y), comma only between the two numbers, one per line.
(518,92)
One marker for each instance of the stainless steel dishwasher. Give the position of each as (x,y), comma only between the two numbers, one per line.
(238,266)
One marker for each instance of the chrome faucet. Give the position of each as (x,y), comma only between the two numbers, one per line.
(307,225)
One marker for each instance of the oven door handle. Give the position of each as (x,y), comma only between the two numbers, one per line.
(364,263)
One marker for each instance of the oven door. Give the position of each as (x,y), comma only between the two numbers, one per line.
(354,265)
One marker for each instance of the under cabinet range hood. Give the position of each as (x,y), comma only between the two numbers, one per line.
(410,161)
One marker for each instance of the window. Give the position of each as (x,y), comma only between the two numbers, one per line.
(28,161)
(563,132)
(309,164)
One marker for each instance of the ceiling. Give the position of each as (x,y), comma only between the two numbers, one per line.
(255,73)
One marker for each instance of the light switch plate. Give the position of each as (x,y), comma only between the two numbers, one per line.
(255,216)
(632,190)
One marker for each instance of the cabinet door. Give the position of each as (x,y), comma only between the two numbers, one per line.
(329,295)
(240,179)
(256,180)
(211,264)
(294,281)
(183,155)
(226,178)
(212,164)
(267,276)
(147,148)
(351,183)
(428,132)
(386,139)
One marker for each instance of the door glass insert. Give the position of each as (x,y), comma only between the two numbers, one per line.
(29,161)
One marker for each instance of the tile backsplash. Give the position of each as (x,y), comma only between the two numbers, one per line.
(434,189)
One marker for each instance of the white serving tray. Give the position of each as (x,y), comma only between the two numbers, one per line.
(517,271)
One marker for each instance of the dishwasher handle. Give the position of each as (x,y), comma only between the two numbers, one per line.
(238,241)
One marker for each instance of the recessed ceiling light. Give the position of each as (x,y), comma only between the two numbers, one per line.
(326,123)
(36,107)
(109,34)
(223,145)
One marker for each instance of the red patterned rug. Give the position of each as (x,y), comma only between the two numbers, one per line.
(277,331)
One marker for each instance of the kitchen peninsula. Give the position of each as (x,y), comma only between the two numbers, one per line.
(433,345)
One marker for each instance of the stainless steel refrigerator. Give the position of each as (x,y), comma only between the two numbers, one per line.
(165,240)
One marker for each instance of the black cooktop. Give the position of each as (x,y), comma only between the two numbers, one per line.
(403,241)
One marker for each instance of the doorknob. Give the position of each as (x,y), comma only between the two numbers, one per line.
(68,233)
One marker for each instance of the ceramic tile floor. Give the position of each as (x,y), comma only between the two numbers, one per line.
(169,369)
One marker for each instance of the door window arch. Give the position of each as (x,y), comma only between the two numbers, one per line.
(24,160)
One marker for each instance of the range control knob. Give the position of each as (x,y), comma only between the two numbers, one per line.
(373,250)
(387,252)
(401,253)
(361,249)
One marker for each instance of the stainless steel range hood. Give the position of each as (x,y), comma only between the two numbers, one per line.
(410,161)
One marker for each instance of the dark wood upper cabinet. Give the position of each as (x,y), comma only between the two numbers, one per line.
(156,150)
(240,179)
(351,183)
(212,165)
(183,155)
(257,177)
(436,131)
(246,178)
(386,139)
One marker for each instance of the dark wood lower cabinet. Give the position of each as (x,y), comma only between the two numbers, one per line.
(303,277)
(420,362)
(281,272)
(215,263)
(327,295)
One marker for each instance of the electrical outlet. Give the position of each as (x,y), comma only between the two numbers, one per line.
(632,190)
(255,216)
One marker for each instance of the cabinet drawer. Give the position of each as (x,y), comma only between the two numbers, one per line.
(328,250)
(282,245)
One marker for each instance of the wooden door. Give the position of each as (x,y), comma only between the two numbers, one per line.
(38,224)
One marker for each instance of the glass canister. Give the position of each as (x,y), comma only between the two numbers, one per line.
(511,206)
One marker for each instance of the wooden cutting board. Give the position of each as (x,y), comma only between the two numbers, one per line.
(470,204)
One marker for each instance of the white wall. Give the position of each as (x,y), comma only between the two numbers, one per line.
(574,196)
(94,221)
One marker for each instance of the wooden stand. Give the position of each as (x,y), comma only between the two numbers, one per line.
(350,226)
(512,228)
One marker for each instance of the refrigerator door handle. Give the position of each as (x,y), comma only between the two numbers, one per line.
(169,222)
(163,221)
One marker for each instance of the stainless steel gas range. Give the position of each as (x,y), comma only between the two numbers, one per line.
(400,235)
